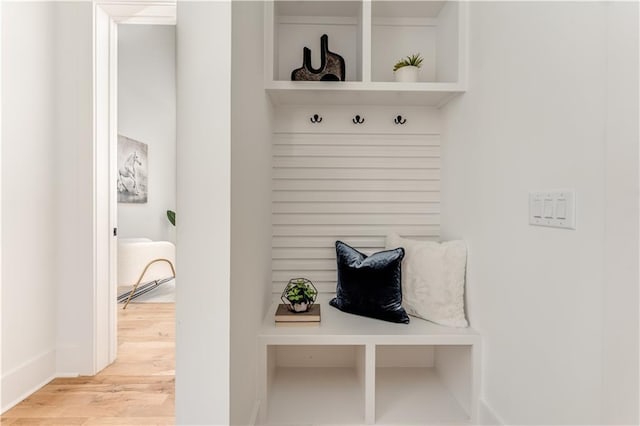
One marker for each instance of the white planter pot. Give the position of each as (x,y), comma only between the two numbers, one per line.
(407,74)
(300,307)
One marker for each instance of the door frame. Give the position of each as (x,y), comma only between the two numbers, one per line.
(106,17)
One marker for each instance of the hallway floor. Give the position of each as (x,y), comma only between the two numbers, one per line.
(137,389)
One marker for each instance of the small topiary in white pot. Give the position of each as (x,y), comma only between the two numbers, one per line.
(406,69)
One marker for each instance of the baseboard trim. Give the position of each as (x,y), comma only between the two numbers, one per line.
(253,420)
(487,416)
(22,381)
(67,375)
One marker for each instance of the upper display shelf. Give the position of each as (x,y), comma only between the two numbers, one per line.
(370,36)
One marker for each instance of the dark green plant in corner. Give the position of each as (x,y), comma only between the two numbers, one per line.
(171,215)
(414,60)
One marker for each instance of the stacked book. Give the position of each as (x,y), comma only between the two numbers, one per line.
(285,317)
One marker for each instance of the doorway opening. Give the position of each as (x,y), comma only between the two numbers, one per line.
(146,197)
(143,163)
(108,18)
(135,186)
(146,164)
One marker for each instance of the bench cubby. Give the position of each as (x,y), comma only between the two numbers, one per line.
(315,384)
(356,370)
(420,384)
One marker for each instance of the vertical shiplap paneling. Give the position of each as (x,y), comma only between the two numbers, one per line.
(336,180)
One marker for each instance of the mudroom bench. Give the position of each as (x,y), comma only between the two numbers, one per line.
(355,370)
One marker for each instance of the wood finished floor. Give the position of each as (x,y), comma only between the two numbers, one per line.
(137,389)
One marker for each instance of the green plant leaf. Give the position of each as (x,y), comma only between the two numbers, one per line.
(401,63)
(299,291)
(171,215)
(411,60)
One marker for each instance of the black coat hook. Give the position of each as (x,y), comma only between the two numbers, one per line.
(316,119)
(399,120)
(358,120)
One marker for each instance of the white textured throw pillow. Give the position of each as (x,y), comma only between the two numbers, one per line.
(433,279)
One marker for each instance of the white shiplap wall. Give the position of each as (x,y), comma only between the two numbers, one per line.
(340,181)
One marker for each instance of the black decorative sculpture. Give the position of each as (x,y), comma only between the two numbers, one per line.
(332,66)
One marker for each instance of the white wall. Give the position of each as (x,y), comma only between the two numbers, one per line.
(250,204)
(203,234)
(325,186)
(74,192)
(1,138)
(534,118)
(47,99)
(620,291)
(28,199)
(147,113)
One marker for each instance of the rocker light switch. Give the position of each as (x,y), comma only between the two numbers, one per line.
(536,208)
(561,208)
(552,208)
(548,208)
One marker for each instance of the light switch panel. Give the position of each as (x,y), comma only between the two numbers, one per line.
(552,208)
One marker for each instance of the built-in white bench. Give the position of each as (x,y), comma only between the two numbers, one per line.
(355,370)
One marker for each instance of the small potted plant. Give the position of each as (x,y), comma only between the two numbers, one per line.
(299,295)
(406,69)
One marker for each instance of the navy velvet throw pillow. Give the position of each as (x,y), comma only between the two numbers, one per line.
(370,286)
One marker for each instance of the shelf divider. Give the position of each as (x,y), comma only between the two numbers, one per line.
(269,40)
(463,43)
(366,41)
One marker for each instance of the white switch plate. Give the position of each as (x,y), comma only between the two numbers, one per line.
(553,208)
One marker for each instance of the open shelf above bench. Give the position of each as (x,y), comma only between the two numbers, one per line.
(361,93)
(371,36)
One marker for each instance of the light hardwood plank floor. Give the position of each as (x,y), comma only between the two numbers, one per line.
(137,389)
